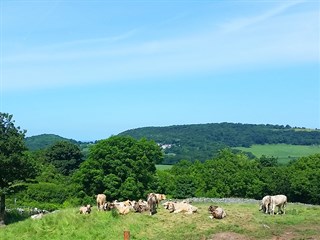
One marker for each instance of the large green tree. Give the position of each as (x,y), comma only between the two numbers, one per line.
(121,167)
(15,164)
(305,179)
(65,156)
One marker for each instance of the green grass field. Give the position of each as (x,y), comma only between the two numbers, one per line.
(243,221)
(284,152)
(163,167)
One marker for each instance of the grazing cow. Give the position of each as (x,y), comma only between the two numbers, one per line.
(152,203)
(85,209)
(101,200)
(265,204)
(279,201)
(216,212)
(177,207)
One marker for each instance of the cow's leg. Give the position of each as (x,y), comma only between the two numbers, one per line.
(272,209)
(266,208)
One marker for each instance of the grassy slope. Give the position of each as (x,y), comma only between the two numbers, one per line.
(163,167)
(284,152)
(300,222)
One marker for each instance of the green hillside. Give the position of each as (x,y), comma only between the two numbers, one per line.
(243,221)
(43,141)
(283,152)
(203,141)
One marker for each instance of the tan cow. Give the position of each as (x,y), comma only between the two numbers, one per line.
(123,210)
(177,207)
(122,207)
(160,197)
(85,209)
(217,212)
(279,201)
(101,200)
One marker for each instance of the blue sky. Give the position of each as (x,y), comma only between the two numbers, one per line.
(91,69)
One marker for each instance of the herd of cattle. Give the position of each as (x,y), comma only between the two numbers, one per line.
(267,205)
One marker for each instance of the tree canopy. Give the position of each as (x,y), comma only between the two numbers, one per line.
(120,167)
(15,164)
(65,156)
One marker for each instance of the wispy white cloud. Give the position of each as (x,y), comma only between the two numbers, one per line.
(283,39)
(239,24)
(110,39)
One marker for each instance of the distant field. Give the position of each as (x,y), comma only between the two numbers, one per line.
(163,167)
(284,152)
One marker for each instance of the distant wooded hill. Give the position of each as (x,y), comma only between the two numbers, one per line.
(202,141)
(44,140)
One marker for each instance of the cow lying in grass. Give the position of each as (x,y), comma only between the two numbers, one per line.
(177,207)
(140,206)
(85,209)
(216,212)
(122,207)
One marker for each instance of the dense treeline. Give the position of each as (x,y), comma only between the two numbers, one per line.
(235,175)
(203,141)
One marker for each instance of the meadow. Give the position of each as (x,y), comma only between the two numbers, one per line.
(163,167)
(284,152)
(243,221)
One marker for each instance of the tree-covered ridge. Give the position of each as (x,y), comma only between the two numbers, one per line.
(202,141)
(44,140)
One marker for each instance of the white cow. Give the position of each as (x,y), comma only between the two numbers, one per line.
(101,200)
(177,207)
(85,209)
(265,204)
(279,201)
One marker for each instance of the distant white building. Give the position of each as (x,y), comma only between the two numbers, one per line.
(164,146)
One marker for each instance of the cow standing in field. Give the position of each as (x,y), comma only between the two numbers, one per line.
(265,204)
(101,200)
(279,201)
(160,197)
(152,203)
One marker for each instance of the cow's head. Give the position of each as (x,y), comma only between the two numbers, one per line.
(212,208)
(88,208)
(170,207)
